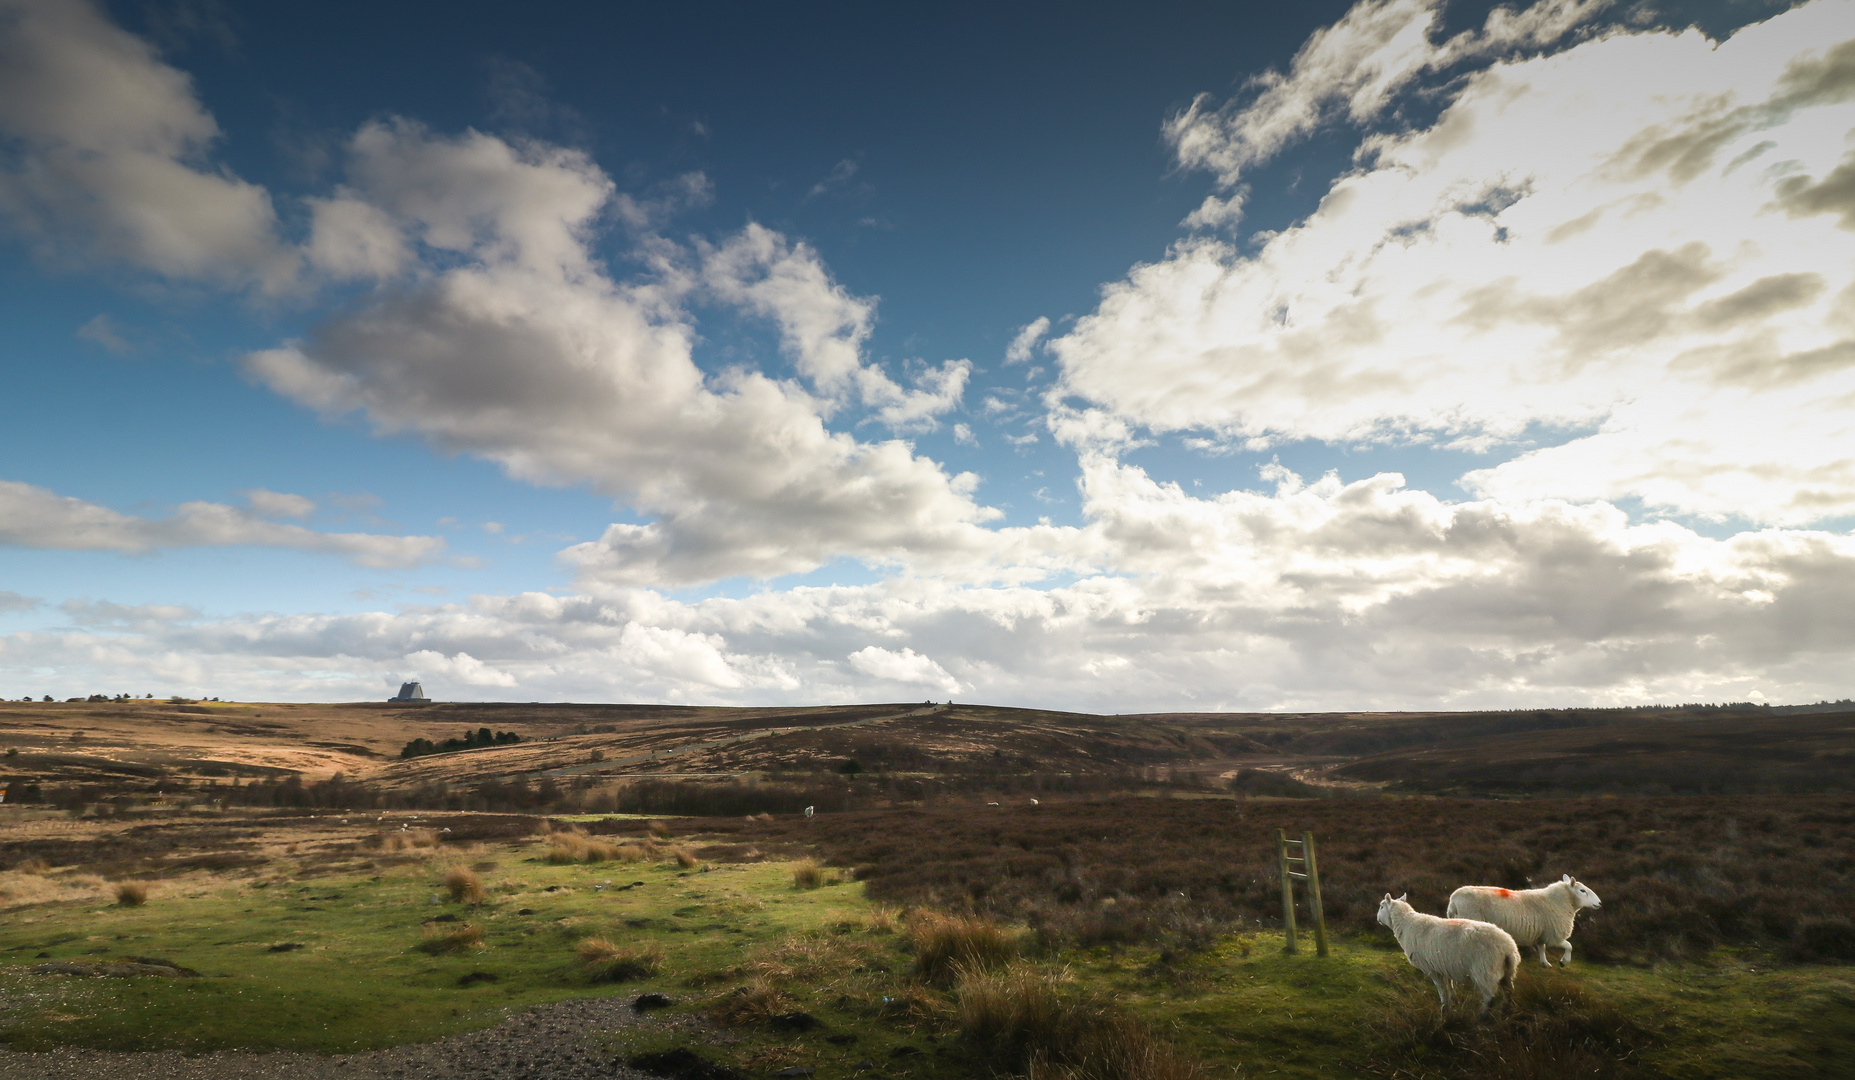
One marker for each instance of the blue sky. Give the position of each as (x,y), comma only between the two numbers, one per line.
(1333,355)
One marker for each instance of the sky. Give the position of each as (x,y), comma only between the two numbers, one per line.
(1174,357)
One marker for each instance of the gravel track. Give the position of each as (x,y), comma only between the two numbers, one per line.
(548,1043)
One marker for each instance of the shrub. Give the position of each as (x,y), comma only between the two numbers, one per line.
(659,830)
(948,944)
(131,893)
(464,886)
(808,875)
(685,858)
(603,960)
(439,941)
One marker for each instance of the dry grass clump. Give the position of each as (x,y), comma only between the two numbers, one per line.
(1551,1027)
(464,886)
(31,866)
(569,847)
(1022,1016)
(405,840)
(131,893)
(439,941)
(685,858)
(755,1003)
(603,960)
(660,830)
(948,944)
(808,875)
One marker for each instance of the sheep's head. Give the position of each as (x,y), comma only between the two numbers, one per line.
(1386,906)
(1582,893)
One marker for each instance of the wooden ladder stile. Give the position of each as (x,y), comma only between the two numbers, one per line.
(1310,874)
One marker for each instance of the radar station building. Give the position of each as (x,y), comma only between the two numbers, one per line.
(410,692)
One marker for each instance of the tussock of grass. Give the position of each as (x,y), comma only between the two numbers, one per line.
(947,944)
(31,866)
(603,960)
(660,830)
(464,886)
(808,875)
(440,942)
(405,840)
(755,1003)
(131,893)
(1021,1016)
(570,847)
(1552,1027)
(685,858)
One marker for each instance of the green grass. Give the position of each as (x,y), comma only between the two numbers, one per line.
(360,981)
(741,939)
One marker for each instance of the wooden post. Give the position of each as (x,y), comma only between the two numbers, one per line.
(1320,915)
(1288,889)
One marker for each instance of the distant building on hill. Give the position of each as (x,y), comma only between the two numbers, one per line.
(411,691)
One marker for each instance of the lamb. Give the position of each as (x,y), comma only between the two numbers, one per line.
(1451,949)
(1537,917)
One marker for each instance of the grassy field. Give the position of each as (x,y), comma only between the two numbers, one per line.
(328,934)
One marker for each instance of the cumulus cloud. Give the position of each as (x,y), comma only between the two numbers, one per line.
(12,601)
(1353,69)
(518,347)
(32,517)
(1313,594)
(906,666)
(280,504)
(109,155)
(1025,343)
(1616,239)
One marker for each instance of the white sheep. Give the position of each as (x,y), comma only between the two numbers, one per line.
(1451,949)
(1537,917)
(810,810)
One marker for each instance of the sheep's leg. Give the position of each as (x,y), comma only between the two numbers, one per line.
(1542,954)
(1442,990)
(1565,955)
(1487,1000)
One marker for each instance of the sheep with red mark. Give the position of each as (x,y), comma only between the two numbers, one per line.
(1538,917)
(1452,949)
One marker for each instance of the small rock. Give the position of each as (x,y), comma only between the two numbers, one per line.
(526,911)
(442,918)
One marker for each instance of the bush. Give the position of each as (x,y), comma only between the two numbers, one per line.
(464,886)
(439,942)
(946,945)
(603,960)
(131,894)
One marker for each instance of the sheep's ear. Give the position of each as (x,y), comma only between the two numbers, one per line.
(1403,898)
(1387,897)
(1567,879)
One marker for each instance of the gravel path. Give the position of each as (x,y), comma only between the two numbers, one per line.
(548,1043)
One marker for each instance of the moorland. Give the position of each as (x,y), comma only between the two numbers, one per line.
(977,890)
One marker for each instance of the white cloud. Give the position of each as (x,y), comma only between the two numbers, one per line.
(102,330)
(906,666)
(1612,238)
(1025,343)
(12,601)
(32,517)
(1317,594)
(1352,68)
(280,504)
(519,348)
(107,157)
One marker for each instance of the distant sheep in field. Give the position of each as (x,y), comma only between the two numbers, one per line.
(1451,949)
(809,810)
(1537,917)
